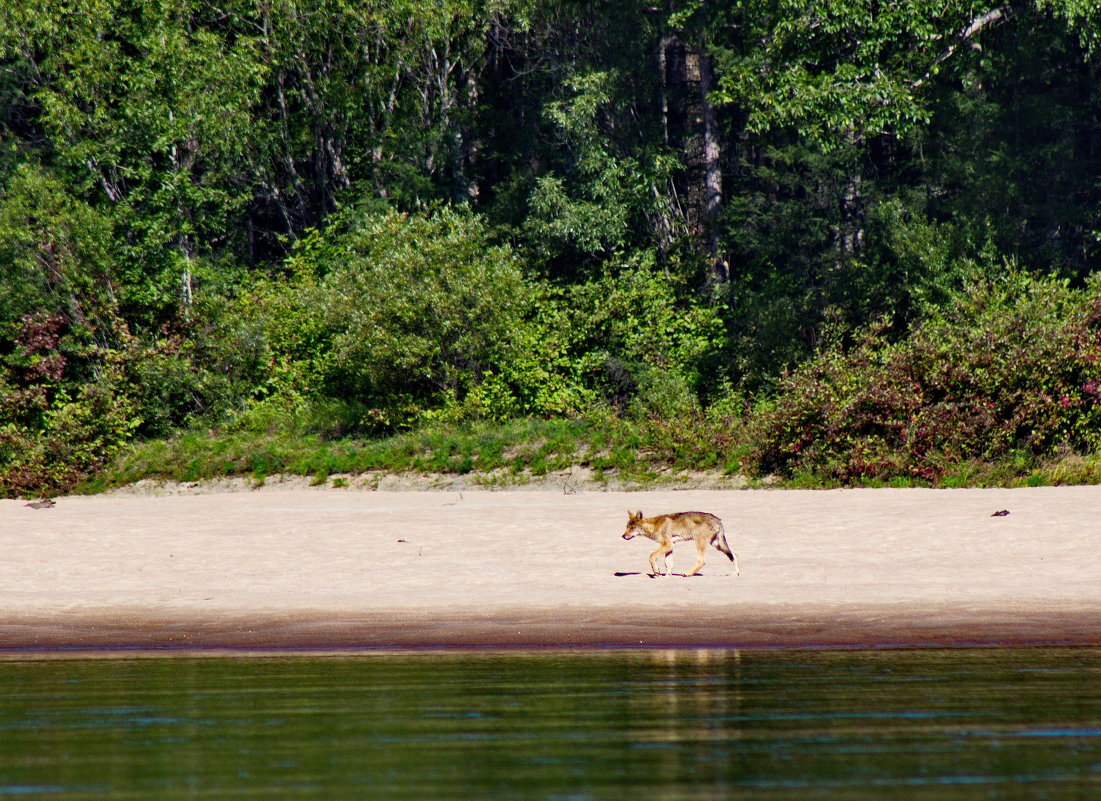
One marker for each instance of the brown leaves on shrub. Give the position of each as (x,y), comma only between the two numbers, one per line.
(1011,366)
(56,424)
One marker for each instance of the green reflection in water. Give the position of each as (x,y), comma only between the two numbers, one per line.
(954,724)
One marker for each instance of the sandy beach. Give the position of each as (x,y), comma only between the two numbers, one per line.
(289,567)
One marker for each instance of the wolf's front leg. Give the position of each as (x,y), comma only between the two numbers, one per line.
(664,551)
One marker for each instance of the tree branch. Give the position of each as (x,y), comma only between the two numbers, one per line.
(975,27)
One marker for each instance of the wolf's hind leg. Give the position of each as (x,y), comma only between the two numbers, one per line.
(700,546)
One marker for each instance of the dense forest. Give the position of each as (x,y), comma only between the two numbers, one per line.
(855,238)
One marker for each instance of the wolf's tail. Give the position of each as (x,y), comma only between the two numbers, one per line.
(719,541)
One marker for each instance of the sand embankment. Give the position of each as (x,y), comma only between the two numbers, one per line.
(332,568)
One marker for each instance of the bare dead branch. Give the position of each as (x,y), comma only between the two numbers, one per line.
(974,28)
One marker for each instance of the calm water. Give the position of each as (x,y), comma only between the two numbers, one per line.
(958,724)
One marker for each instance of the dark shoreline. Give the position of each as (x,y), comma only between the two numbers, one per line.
(897,626)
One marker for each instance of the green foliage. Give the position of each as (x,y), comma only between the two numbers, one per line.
(57,254)
(53,429)
(1009,367)
(424,307)
(140,125)
(72,396)
(406,318)
(837,71)
(590,208)
(1082,17)
(837,227)
(76,383)
(637,338)
(1016,182)
(635,210)
(400,315)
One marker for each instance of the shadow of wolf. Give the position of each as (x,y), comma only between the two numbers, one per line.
(699,527)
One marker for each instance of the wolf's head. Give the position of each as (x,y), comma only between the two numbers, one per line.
(633,530)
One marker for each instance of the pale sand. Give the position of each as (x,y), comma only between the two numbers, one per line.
(333,569)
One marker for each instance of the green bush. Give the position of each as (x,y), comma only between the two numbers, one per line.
(405,319)
(400,317)
(639,337)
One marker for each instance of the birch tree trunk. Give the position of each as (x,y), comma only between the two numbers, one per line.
(712,168)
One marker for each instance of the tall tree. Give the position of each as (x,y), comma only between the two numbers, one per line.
(128,99)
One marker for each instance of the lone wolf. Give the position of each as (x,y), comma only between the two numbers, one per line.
(700,527)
